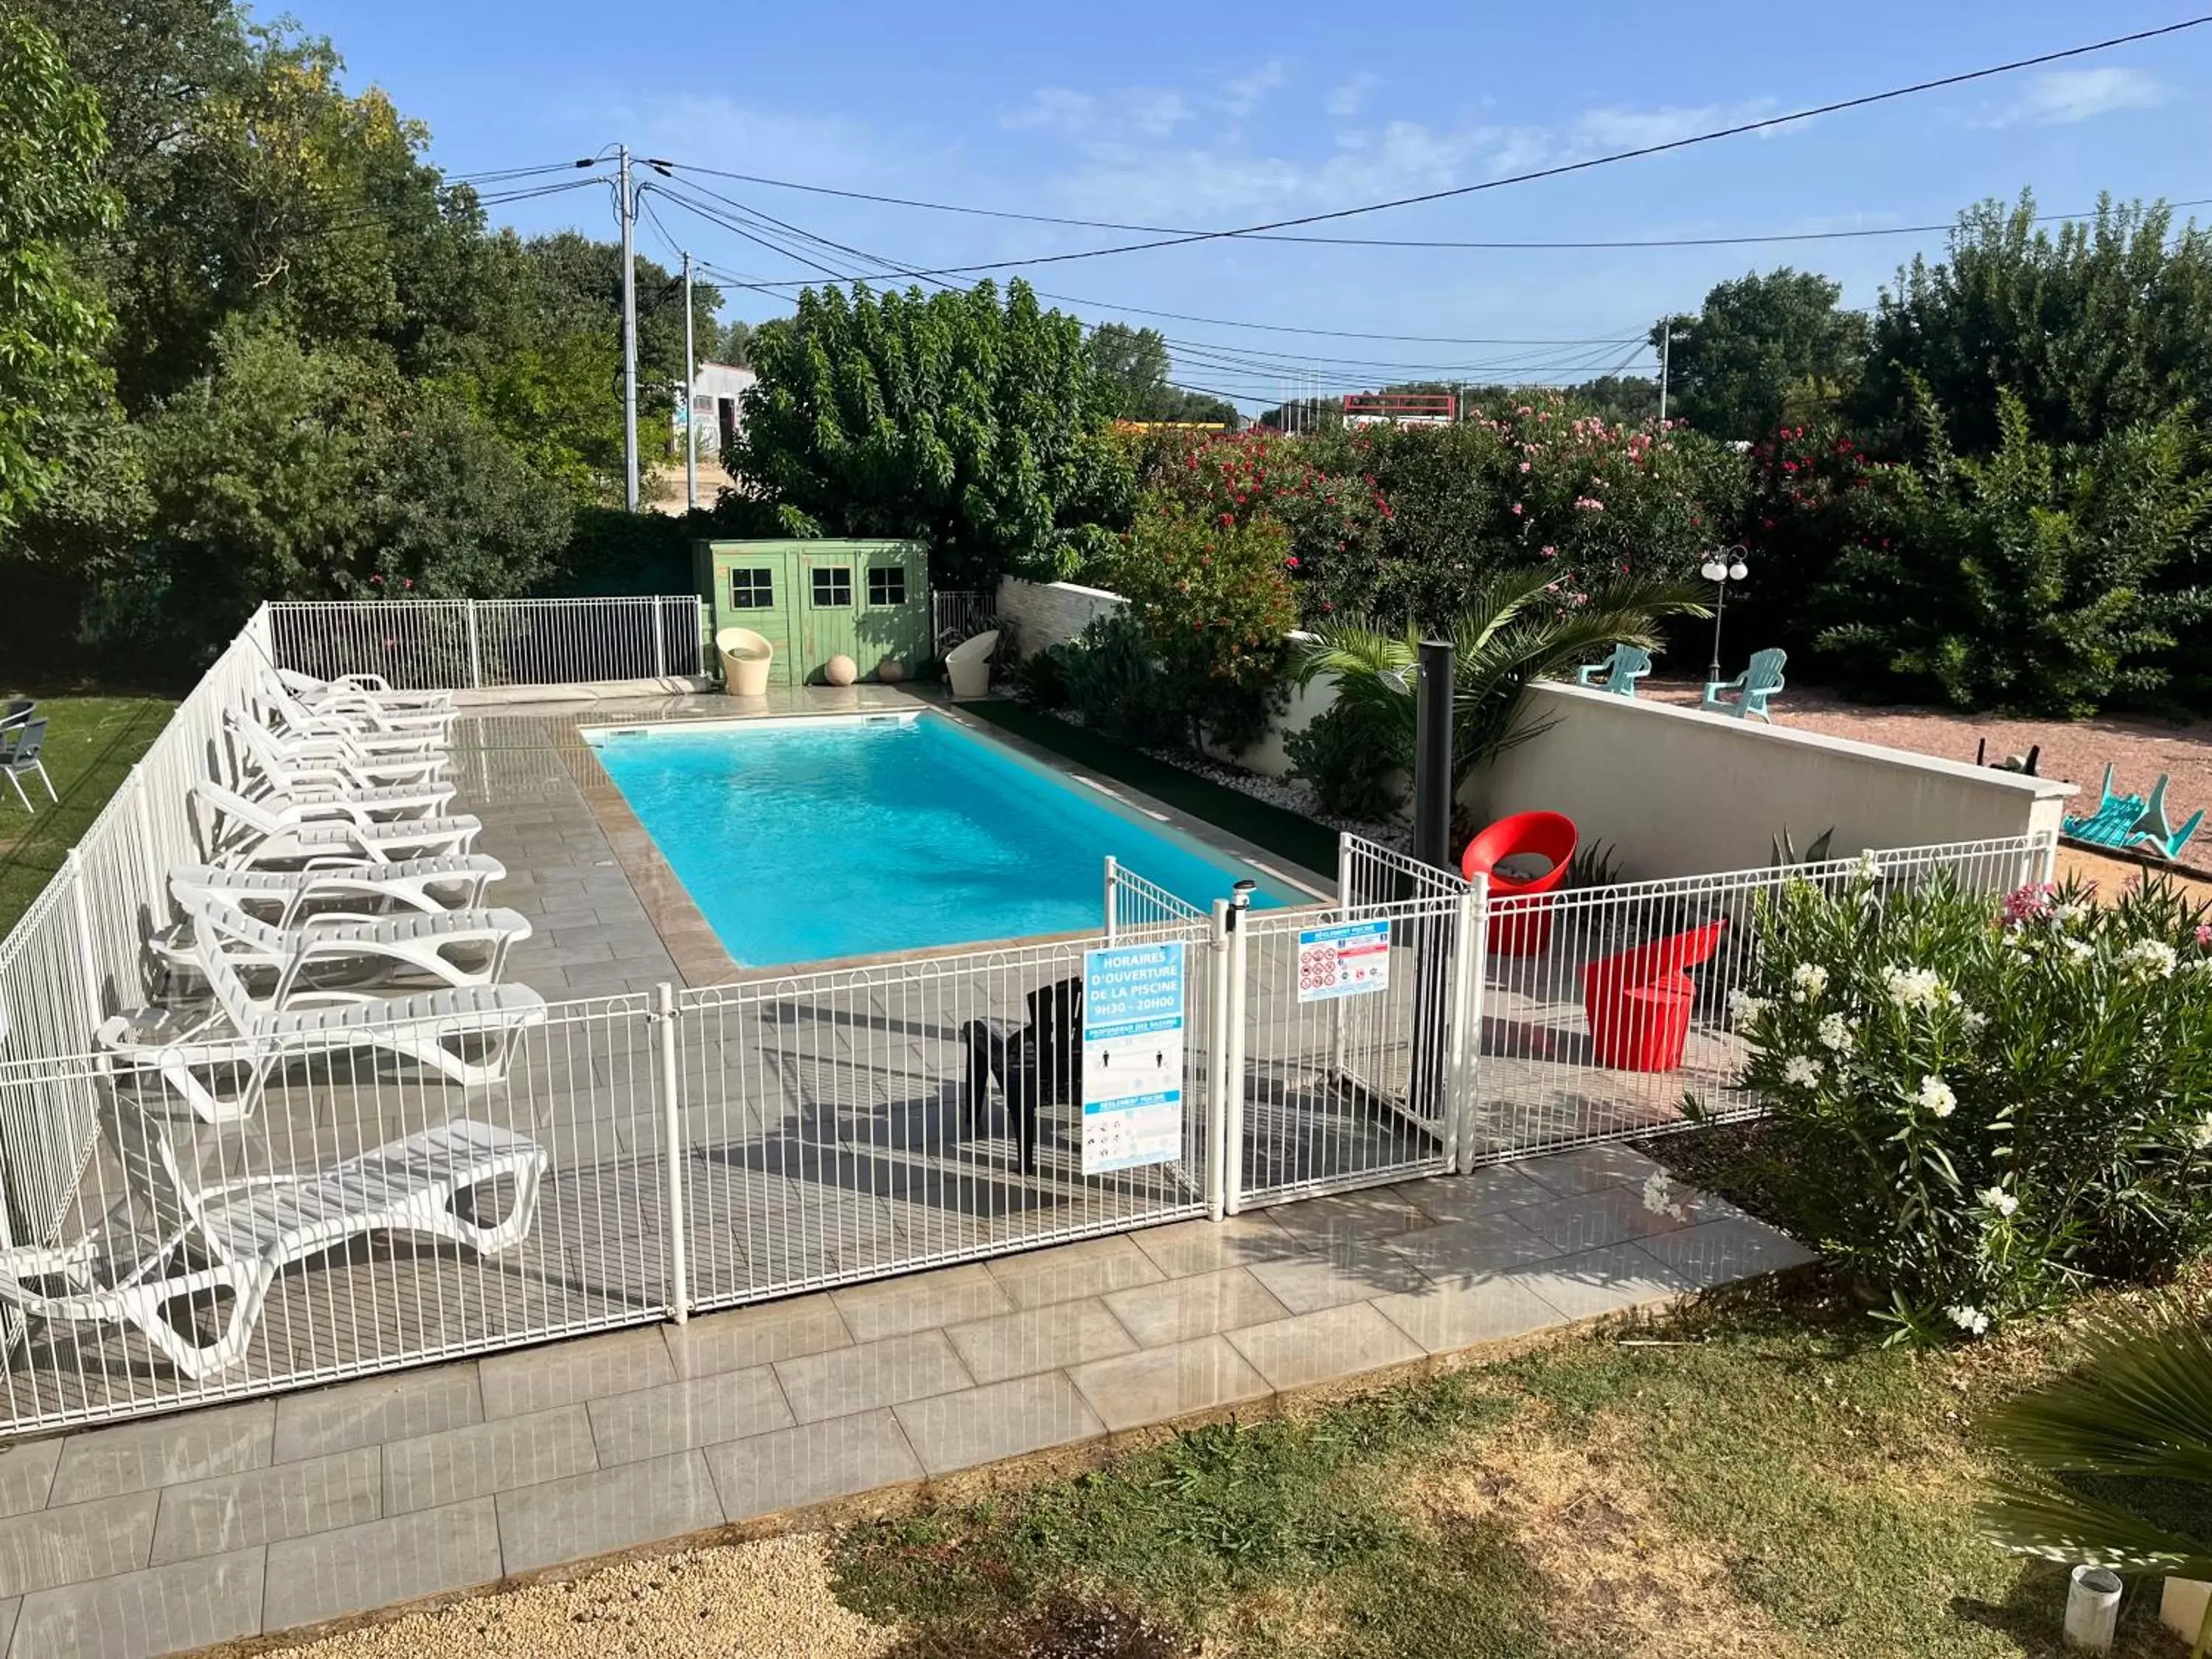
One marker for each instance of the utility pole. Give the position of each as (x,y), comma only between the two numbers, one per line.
(627,207)
(1666,339)
(690,401)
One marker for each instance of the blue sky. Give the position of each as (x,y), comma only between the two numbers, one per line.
(1208,115)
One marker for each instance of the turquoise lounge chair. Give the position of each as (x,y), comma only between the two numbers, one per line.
(1759,682)
(1627,664)
(2152,830)
(2113,822)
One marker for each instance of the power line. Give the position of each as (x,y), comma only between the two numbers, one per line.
(1562,169)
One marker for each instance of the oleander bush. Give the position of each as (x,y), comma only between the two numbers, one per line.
(1979,1107)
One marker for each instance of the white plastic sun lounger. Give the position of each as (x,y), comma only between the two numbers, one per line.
(326,762)
(249,834)
(464,1034)
(380,729)
(300,799)
(373,689)
(457,948)
(433,885)
(249,1231)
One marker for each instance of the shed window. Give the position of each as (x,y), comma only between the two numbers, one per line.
(833,587)
(887,584)
(752,590)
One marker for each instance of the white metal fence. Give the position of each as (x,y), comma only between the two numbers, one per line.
(467,644)
(955,616)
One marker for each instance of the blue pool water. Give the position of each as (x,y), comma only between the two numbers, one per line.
(842,837)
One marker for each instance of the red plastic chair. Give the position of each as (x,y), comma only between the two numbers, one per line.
(1523,928)
(1640,1002)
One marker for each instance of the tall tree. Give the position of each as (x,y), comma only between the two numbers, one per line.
(2105,324)
(1134,365)
(972,424)
(52,322)
(1762,348)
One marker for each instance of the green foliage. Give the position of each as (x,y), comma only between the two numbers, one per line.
(1763,349)
(1977,1111)
(1115,681)
(1354,776)
(968,423)
(2098,325)
(1518,627)
(1786,854)
(52,322)
(1042,679)
(462,513)
(1133,365)
(2030,577)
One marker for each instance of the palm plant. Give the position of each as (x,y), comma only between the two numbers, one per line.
(1514,630)
(2121,1441)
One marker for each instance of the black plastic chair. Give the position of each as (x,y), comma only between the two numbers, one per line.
(1039,1065)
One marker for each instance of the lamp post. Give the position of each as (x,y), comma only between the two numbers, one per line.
(1722,568)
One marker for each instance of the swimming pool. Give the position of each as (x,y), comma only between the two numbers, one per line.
(803,839)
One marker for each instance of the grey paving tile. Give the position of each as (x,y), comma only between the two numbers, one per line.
(27,1476)
(696,1412)
(381,1408)
(588,1515)
(920,1302)
(1323,1346)
(846,1380)
(189,1604)
(1479,1193)
(1005,1419)
(1318,1223)
(1156,1385)
(1178,1310)
(1719,1251)
(813,1463)
(1442,1318)
(8,1610)
(77,1541)
(236,1511)
(105,1462)
(754,1336)
(1038,1339)
(1588,1169)
(483,1458)
(1185,1248)
(539,1379)
(1091,1267)
(1461,1251)
(1612,1215)
(329,1574)
(1354,1271)
(1604,1281)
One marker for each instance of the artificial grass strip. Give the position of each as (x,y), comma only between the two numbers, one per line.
(1301,840)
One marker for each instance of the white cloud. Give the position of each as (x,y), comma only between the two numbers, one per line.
(1242,94)
(2061,97)
(1346,99)
(1142,112)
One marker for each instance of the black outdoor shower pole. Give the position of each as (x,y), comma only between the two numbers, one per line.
(1432,755)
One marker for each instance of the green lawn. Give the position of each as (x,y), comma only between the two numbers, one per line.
(90,746)
(1753,1477)
(1287,835)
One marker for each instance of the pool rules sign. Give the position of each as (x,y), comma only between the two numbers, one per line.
(1351,959)
(1133,1036)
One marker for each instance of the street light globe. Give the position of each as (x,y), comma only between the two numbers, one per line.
(1738,571)
(1713,570)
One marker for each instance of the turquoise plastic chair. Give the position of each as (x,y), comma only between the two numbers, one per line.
(2152,830)
(2115,820)
(1627,664)
(1759,682)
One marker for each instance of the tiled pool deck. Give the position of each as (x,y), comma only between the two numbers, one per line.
(275,1514)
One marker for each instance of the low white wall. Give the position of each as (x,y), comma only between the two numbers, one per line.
(1046,614)
(1679,791)
(1268,756)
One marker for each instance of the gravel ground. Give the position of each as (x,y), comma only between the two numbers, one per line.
(766,1600)
(2073,752)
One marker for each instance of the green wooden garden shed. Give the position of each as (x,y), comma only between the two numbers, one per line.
(813,600)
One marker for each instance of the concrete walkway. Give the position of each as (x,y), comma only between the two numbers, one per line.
(279,1514)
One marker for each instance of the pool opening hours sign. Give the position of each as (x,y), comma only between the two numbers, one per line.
(1132,1045)
(1349,959)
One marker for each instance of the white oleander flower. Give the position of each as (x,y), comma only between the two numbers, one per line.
(1934,1097)
(1869,868)
(1973,1321)
(1744,1008)
(2065,915)
(2200,1136)
(1999,1200)
(2150,958)
(1973,1018)
(1807,980)
(1659,1196)
(2079,950)
(1801,1071)
(1835,1033)
(1913,987)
